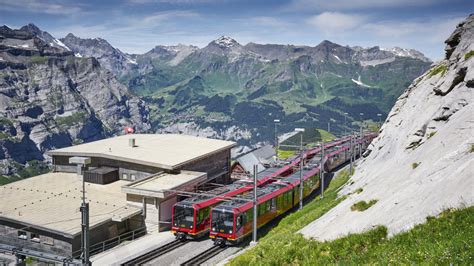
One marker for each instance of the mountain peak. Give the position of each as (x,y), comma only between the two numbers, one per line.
(403,52)
(226,42)
(32,28)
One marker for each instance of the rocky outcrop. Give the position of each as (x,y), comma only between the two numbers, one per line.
(50,99)
(421,163)
(109,57)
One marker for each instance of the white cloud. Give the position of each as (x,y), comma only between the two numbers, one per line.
(186,2)
(39,6)
(325,5)
(335,22)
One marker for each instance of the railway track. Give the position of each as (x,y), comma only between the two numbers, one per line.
(204,256)
(151,255)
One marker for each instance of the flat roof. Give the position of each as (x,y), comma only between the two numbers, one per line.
(51,201)
(167,151)
(157,185)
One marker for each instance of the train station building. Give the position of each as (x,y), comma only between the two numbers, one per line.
(132,182)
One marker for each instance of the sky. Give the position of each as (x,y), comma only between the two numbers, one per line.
(136,26)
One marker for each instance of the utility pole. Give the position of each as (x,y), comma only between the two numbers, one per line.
(81,163)
(276,121)
(345,123)
(350,154)
(321,170)
(301,130)
(254,233)
(329,126)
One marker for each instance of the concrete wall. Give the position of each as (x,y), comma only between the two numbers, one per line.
(48,242)
(63,245)
(212,165)
(127,171)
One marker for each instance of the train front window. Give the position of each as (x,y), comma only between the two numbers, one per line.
(183,216)
(222,222)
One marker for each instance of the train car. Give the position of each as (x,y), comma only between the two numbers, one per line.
(232,221)
(191,217)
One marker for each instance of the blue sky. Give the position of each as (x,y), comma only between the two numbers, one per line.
(136,26)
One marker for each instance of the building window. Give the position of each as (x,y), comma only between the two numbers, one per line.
(47,240)
(35,237)
(22,235)
(124,176)
(132,177)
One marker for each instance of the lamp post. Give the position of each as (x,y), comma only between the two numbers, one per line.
(81,163)
(301,130)
(345,122)
(350,154)
(380,119)
(321,169)
(276,121)
(254,224)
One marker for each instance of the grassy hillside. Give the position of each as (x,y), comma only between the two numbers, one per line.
(443,240)
(311,136)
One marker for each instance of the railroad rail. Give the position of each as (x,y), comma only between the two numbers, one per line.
(205,256)
(151,255)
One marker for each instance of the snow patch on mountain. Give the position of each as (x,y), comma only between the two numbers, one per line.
(226,42)
(360,83)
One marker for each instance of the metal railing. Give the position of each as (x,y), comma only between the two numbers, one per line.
(113,242)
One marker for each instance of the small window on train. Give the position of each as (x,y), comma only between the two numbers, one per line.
(239,222)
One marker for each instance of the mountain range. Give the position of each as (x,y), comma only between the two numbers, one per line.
(224,90)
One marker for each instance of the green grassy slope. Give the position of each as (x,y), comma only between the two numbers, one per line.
(443,240)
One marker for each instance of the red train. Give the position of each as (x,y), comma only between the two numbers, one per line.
(191,217)
(231,221)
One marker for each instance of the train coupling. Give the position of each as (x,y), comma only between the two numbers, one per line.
(219,241)
(181,236)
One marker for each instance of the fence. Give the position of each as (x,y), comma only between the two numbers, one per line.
(110,243)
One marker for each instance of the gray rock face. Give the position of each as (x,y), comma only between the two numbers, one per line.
(109,57)
(421,163)
(49,98)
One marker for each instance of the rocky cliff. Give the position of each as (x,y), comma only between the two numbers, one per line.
(50,98)
(422,161)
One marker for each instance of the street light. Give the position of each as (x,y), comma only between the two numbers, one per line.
(380,119)
(301,130)
(345,122)
(276,121)
(360,144)
(321,169)
(81,163)
(254,223)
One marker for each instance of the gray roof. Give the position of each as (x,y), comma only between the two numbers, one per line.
(264,153)
(258,157)
(248,161)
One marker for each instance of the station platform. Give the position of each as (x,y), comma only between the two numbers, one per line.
(130,250)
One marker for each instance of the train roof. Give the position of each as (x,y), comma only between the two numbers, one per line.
(286,182)
(209,195)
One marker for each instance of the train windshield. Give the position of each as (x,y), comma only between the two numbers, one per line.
(183,216)
(222,222)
